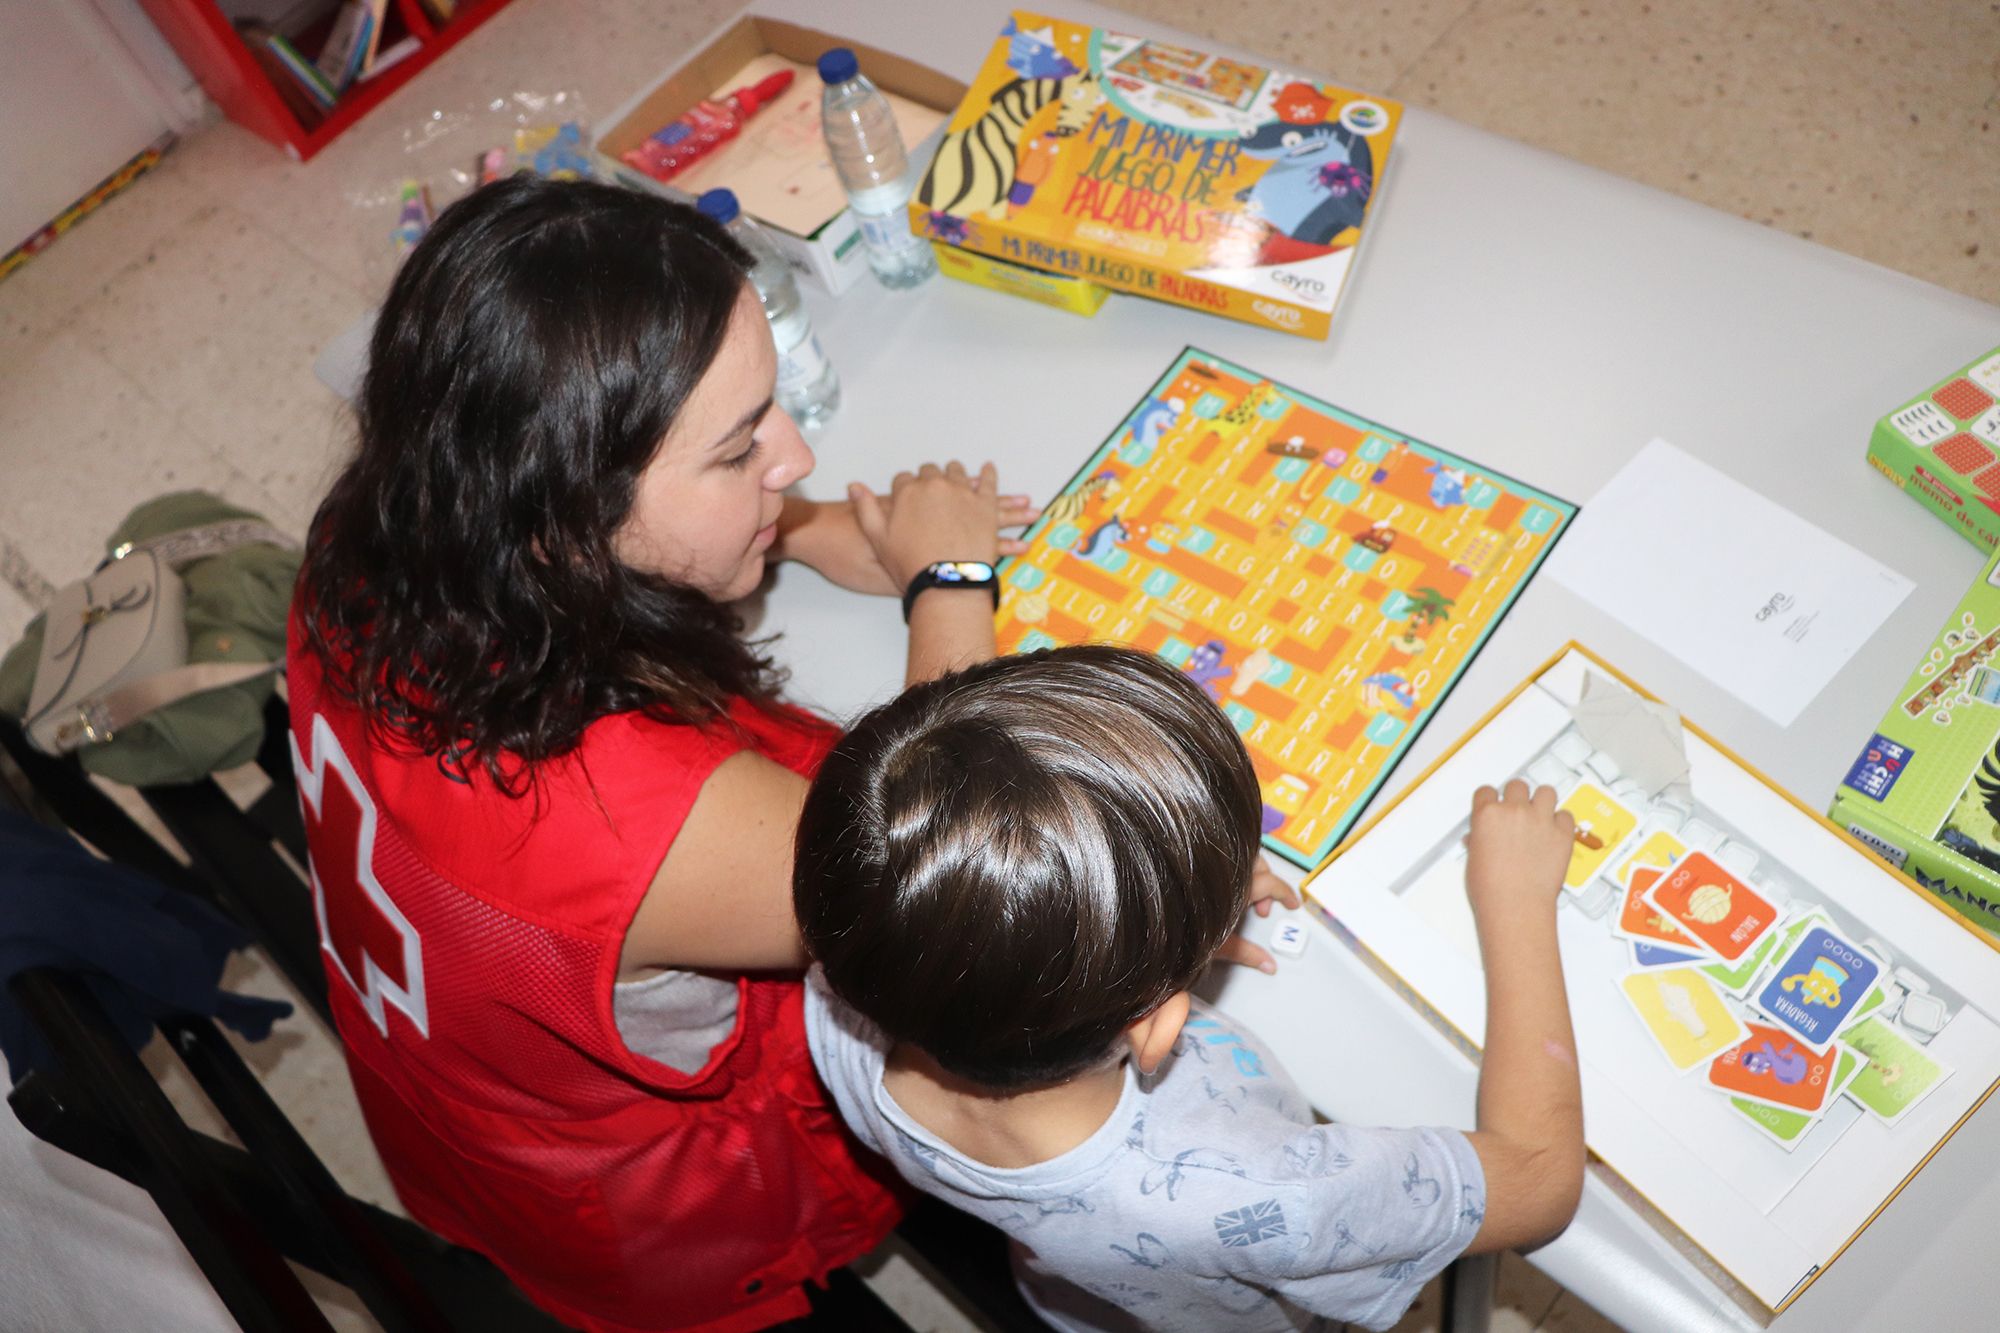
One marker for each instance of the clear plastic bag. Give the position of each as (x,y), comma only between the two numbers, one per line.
(453,150)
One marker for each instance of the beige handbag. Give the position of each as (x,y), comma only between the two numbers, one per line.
(114,646)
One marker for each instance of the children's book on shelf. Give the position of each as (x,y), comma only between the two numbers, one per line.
(344,54)
(378,17)
(1146,167)
(1774,1029)
(316,84)
(1942,448)
(1325,578)
(306,93)
(1924,792)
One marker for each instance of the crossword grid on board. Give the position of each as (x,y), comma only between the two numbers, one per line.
(1324,578)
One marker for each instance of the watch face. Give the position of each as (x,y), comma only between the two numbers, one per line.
(962,571)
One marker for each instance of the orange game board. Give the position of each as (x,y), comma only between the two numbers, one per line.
(1325,579)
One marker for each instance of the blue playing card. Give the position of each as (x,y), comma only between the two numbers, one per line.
(1652,955)
(1817,985)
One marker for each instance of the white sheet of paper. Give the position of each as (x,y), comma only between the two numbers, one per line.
(1755,598)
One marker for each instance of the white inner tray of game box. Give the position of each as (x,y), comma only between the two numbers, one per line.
(1769,1216)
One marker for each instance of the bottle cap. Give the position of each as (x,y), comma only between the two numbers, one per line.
(719,206)
(838,66)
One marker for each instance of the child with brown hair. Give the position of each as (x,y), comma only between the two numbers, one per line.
(1011,878)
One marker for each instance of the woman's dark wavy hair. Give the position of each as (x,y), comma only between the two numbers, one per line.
(460,587)
(1009,866)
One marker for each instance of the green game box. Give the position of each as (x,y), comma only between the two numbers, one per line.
(1925,792)
(1943,449)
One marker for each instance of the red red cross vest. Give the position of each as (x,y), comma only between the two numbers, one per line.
(471,941)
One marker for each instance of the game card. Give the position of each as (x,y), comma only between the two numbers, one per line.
(1786,1128)
(1817,986)
(1873,1000)
(1738,977)
(1658,849)
(1714,906)
(1987,427)
(1923,423)
(1987,372)
(1602,823)
(1658,955)
(1642,923)
(1687,1017)
(1899,1073)
(1774,1067)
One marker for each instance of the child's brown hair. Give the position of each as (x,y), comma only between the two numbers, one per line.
(1009,866)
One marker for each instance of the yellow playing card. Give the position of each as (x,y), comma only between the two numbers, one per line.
(1601,824)
(1686,1015)
(1658,849)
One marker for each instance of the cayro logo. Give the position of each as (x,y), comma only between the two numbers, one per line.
(1277,314)
(1303,286)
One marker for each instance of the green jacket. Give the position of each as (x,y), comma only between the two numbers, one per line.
(237,603)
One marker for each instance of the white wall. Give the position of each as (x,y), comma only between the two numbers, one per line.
(84,85)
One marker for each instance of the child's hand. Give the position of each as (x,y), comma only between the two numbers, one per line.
(1519,849)
(1265,888)
(937,514)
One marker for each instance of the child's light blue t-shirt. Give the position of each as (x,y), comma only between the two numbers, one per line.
(1208,1200)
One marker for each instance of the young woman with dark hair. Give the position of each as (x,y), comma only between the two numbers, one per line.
(549,787)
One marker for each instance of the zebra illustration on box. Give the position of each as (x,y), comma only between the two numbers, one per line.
(1078,103)
(976,168)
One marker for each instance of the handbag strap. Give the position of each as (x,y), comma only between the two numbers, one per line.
(98,720)
(93,611)
(190,544)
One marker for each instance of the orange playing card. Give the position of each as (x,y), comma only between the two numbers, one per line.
(1713,905)
(1772,1066)
(1640,920)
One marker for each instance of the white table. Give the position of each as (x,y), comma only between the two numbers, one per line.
(1547,320)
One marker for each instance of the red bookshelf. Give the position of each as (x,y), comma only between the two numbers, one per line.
(216,54)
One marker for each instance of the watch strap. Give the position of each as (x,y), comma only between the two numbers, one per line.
(927,578)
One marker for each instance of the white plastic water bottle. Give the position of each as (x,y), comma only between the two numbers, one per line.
(808,389)
(868,155)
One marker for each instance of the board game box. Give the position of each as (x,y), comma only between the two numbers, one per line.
(1943,449)
(1325,578)
(1924,792)
(1038,285)
(1774,1030)
(1150,168)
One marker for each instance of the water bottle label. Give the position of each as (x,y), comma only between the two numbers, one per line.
(886,231)
(803,364)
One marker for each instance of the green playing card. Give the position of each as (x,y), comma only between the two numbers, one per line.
(1898,1075)
(1736,977)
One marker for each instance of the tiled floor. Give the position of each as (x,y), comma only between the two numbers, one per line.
(167,341)
(1870,128)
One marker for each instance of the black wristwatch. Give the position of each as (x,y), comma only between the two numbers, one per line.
(952,574)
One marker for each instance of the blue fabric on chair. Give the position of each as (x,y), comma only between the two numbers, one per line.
(145,950)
